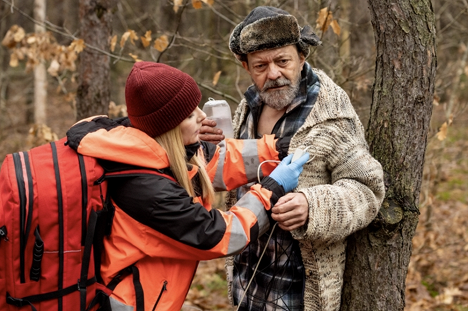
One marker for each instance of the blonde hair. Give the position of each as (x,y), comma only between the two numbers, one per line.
(172,142)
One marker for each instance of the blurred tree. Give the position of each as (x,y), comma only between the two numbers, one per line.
(378,257)
(93,92)
(40,74)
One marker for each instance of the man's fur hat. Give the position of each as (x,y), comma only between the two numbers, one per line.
(267,28)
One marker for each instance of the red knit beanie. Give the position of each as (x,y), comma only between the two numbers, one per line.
(159,97)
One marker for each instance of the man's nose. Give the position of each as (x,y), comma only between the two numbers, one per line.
(273,72)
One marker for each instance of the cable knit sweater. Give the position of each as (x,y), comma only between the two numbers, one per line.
(343,185)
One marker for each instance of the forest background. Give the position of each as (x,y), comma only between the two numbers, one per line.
(193,36)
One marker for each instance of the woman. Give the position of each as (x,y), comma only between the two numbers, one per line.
(163,223)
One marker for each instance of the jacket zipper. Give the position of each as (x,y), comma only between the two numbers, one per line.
(160,294)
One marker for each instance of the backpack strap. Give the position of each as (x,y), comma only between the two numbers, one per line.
(82,282)
(21,163)
(102,298)
(84,197)
(58,182)
(29,300)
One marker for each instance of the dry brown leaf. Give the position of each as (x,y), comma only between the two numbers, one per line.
(324,19)
(113,43)
(146,39)
(135,57)
(161,43)
(19,34)
(53,68)
(177,4)
(129,34)
(197,4)
(31,39)
(124,38)
(442,134)
(13,60)
(336,28)
(77,45)
(14,35)
(216,77)
(448,295)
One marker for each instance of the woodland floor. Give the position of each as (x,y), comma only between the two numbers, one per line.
(438,271)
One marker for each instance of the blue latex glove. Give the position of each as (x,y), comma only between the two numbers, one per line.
(287,174)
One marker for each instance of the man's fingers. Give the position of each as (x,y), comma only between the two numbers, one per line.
(210,130)
(208,122)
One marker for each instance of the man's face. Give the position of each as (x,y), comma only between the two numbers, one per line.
(276,74)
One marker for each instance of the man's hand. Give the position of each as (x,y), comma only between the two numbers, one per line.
(209,133)
(291,211)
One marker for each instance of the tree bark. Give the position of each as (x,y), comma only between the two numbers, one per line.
(93,92)
(378,256)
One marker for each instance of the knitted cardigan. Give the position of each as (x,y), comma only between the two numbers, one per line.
(343,185)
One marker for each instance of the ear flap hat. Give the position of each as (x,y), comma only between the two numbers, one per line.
(267,28)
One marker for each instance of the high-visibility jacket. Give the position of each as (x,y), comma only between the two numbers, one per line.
(161,231)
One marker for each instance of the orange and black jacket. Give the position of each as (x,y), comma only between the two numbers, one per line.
(158,229)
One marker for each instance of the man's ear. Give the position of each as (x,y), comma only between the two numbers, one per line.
(302,60)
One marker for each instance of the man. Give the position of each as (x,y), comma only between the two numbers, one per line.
(340,190)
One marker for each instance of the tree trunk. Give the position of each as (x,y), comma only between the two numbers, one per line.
(40,73)
(93,93)
(378,256)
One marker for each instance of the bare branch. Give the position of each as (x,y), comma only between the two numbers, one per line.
(55,29)
(218,92)
(179,22)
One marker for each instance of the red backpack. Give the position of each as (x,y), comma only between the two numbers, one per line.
(53,218)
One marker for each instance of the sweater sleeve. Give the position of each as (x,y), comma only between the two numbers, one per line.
(343,183)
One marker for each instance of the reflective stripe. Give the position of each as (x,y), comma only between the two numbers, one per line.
(256,206)
(250,157)
(119,306)
(238,238)
(218,182)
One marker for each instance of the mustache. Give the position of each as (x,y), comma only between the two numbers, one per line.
(276,83)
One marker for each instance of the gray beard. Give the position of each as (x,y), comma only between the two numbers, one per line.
(279,99)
